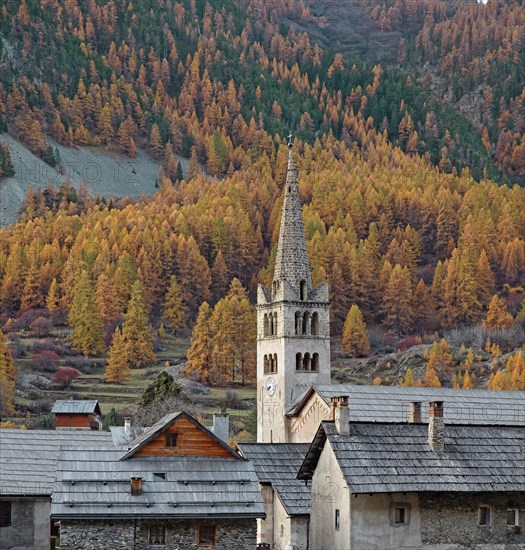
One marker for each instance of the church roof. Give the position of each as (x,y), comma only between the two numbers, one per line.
(391,403)
(278,464)
(391,458)
(292,263)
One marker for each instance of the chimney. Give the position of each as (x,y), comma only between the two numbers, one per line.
(127,424)
(136,486)
(414,414)
(341,414)
(221,427)
(436,426)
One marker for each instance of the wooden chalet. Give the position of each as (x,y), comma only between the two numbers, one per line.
(77,414)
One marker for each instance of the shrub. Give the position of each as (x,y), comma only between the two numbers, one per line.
(26,317)
(409,342)
(64,376)
(41,326)
(232,401)
(45,360)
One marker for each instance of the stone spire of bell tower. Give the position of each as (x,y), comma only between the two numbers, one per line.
(292,263)
(293,324)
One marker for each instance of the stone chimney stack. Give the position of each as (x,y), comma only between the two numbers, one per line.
(221,427)
(127,424)
(414,413)
(436,426)
(341,414)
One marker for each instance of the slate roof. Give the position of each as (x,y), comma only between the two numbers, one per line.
(28,458)
(278,464)
(71,406)
(388,458)
(95,483)
(391,403)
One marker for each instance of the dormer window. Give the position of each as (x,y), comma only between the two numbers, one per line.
(302,288)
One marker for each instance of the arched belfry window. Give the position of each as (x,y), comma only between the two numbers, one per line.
(274,364)
(315,324)
(266,325)
(298,323)
(275,323)
(302,288)
(307,362)
(266,365)
(315,362)
(271,324)
(298,362)
(306,323)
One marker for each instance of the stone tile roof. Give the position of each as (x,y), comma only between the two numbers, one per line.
(95,483)
(291,262)
(28,458)
(389,458)
(278,464)
(391,403)
(72,406)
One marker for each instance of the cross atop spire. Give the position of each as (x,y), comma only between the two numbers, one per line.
(292,263)
(290,136)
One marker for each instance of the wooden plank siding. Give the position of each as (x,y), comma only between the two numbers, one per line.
(191,441)
(73,420)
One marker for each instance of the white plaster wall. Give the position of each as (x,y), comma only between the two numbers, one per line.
(265,526)
(302,428)
(372,527)
(290,533)
(330,492)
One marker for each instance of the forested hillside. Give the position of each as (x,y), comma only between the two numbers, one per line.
(406,208)
(210,81)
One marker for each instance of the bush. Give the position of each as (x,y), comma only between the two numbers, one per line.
(390,342)
(45,361)
(49,346)
(81,363)
(232,401)
(64,376)
(409,342)
(41,326)
(26,317)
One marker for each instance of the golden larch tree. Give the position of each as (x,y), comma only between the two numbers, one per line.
(355,337)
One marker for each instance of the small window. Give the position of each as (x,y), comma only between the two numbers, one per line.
(302,290)
(399,515)
(159,476)
(5,513)
(337,520)
(484,516)
(513,517)
(207,535)
(157,535)
(171,440)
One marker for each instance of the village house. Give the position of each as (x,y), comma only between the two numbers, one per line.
(28,460)
(193,487)
(176,486)
(77,414)
(406,485)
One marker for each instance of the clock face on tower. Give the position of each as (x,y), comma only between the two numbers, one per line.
(270,386)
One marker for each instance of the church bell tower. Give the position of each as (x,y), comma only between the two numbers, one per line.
(293,324)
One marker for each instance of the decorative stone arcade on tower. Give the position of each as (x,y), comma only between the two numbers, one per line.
(293,324)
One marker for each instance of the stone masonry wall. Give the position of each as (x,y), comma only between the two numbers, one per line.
(450,520)
(133,535)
